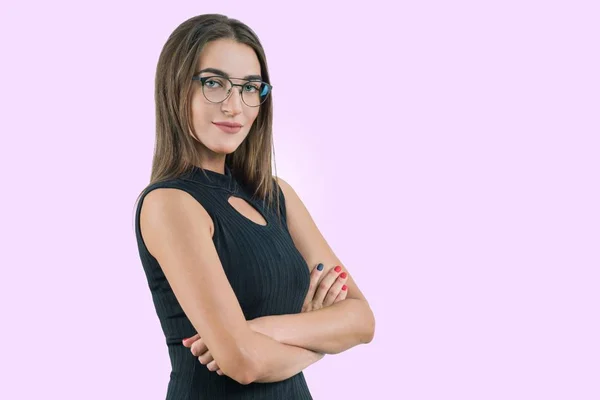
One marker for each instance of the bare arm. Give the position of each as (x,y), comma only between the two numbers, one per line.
(289,361)
(294,361)
(332,329)
(329,330)
(177,231)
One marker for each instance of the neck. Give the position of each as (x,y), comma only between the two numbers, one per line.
(211,161)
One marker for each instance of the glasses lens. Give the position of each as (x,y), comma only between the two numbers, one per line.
(215,89)
(255,93)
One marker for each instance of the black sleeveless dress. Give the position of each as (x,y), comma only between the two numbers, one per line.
(267,273)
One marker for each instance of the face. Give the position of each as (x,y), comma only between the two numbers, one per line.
(238,61)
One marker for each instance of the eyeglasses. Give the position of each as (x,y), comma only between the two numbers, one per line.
(217,89)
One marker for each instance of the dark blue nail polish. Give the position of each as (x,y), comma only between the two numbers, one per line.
(320,267)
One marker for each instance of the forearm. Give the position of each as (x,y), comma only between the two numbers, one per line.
(329,330)
(274,361)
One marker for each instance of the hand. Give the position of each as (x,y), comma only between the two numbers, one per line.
(326,291)
(199,349)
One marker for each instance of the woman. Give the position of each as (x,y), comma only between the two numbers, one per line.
(247,290)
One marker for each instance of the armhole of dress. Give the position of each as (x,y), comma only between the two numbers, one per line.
(138,215)
(282,208)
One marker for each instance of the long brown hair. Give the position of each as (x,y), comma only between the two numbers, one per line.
(174,151)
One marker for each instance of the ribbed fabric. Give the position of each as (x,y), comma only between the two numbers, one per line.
(263,266)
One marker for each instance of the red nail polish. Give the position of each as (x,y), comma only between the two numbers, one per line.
(344,287)
(343,275)
(338,268)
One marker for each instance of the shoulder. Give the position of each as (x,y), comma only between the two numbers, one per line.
(165,197)
(174,194)
(289,199)
(166,203)
(170,209)
(286,189)
(296,212)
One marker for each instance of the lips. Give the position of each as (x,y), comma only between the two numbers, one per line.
(229,124)
(228,127)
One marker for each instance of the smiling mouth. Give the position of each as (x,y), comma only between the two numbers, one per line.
(228,128)
(229,124)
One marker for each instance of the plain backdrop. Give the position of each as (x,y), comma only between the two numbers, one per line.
(448,151)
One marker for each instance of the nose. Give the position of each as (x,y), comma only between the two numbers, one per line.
(233,103)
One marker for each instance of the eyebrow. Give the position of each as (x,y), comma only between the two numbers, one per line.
(226,75)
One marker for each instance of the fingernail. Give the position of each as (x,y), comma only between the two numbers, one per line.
(338,268)
(344,287)
(343,275)
(320,267)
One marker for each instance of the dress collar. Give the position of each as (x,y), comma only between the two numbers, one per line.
(212,178)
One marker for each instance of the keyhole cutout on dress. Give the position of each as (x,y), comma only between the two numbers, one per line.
(246,210)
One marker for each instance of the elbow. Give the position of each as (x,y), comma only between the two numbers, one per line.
(243,378)
(243,367)
(362,335)
(240,370)
(369,331)
(368,336)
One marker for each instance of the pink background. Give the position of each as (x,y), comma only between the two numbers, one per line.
(449,152)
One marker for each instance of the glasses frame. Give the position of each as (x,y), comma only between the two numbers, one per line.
(203,79)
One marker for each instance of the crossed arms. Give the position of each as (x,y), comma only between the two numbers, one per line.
(270,348)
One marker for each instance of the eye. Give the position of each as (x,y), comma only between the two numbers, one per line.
(252,87)
(213,83)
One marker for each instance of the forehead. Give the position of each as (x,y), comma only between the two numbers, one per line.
(236,59)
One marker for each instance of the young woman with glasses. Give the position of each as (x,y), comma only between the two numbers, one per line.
(247,291)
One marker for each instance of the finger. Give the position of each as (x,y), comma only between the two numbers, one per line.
(342,295)
(335,289)
(315,276)
(325,284)
(219,372)
(212,366)
(205,358)
(198,347)
(187,342)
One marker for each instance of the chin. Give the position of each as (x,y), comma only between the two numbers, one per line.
(229,144)
(222,144)
(224,148)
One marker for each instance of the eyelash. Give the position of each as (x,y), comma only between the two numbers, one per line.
(220,84)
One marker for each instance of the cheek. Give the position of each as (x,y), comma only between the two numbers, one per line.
(252,115)
(201,114)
